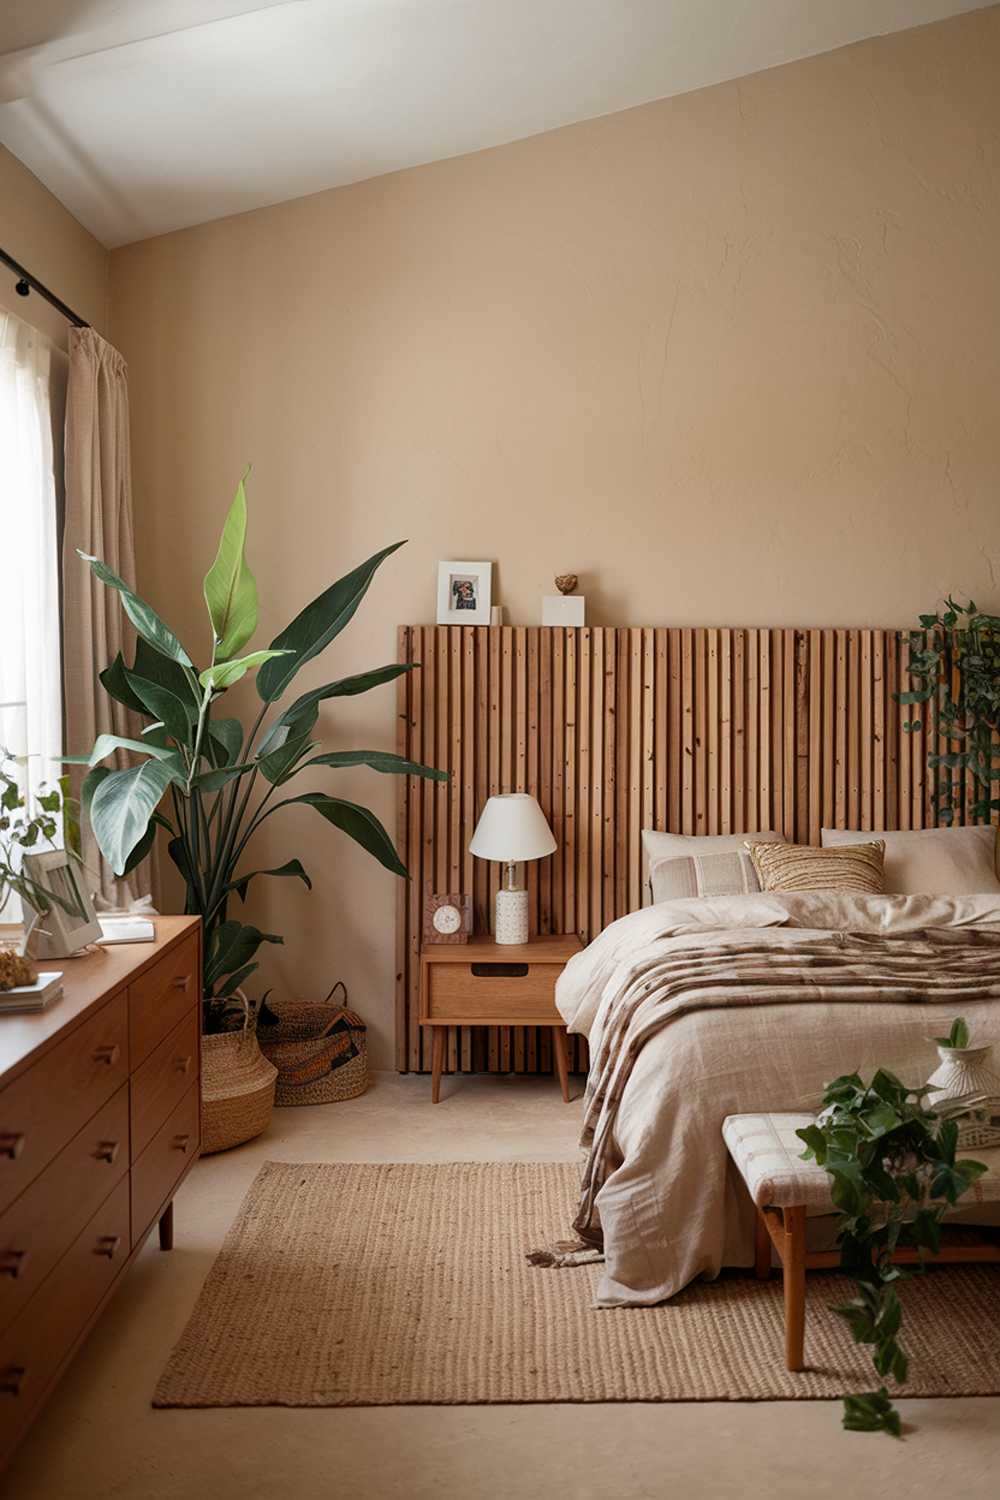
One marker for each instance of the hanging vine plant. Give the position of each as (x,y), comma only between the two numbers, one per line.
(955,659)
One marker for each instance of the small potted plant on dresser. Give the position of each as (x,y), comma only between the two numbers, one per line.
(210,782)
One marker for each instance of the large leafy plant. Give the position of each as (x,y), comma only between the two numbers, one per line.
(893,1175)
(207,780)
(955,659)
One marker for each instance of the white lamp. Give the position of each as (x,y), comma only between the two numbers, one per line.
(511,828)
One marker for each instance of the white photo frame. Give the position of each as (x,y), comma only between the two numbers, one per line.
(69,923)
(464,593)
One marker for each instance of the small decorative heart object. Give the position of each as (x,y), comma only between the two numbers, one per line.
(566,582)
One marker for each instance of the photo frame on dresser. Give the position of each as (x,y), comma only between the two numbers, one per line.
(464,593)
(69,921)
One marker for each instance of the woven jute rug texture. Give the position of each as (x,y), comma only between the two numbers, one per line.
(399,1284)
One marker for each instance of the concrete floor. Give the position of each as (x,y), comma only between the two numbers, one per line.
(99,1437)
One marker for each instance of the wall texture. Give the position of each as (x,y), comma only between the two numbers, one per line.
(37,231)
(732,357)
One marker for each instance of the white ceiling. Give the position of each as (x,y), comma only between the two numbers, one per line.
(144,116)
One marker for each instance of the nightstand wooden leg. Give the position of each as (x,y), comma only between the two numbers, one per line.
(437,1062)
(560,1046)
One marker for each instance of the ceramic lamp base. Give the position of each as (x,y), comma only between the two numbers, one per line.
(511,917)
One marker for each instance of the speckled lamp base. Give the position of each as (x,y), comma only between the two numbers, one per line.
(511,917)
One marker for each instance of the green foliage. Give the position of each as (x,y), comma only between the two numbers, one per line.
(893,1175)
(208,781)
(958,1036)
(32,830)
(955,659)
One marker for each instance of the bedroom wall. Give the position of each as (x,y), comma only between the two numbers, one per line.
(44,236)
(731,356)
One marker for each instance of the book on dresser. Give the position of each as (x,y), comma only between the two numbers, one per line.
(46,988)
(100,1121)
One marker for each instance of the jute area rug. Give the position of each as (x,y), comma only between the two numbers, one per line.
(381,1285)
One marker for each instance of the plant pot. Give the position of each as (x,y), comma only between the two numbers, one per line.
(237,1090)
(968,1072)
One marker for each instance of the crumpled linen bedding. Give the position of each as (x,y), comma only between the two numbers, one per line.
(672,1055)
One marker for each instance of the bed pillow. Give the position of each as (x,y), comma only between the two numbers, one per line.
(657,846)
(730,874)
(799,867)
(932,861)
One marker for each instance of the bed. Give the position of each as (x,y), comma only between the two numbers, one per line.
(707,1006)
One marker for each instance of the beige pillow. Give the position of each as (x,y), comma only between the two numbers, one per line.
(730,874)
(799,867)
(657,846)
(932,861)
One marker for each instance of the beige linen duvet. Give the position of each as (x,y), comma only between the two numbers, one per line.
(700,1008)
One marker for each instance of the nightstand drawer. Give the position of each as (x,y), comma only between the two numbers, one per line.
(493,991)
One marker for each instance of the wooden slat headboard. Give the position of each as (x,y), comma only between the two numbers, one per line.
(616,730)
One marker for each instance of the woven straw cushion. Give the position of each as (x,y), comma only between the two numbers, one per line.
(768,1155)
(797,867)
(730,874)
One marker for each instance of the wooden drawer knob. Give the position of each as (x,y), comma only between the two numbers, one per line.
(183,1064)
(12,1262)
(107,1151)
(108,1245)
(180,1142)
(182,982)
(109,1054)
(11,1143)
(12,1379)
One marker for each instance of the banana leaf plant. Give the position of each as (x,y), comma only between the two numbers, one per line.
(207,780)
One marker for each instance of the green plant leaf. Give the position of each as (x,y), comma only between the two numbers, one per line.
(145,619)
(141,849)
(358,823)
(292,868)
(227,735)
(174,713)
(230,588)
(230,946)
(155,667)
(279,764)
(107,744)
(317,625)
(114,680)
(378,760)
(871,1413)
(225,673)
(121,806)
(348,687)
(213,781)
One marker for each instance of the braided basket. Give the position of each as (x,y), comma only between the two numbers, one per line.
(319,1048)
(237,1090)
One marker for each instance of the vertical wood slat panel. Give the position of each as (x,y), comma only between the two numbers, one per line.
(614,730)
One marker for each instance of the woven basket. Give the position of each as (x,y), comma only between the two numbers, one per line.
(237,1090)
(319,1048)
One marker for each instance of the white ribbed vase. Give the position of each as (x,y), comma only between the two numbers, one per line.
(964,1071)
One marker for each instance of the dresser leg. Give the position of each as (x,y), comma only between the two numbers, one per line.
(167,1227)
(437,1062)
(560,1046)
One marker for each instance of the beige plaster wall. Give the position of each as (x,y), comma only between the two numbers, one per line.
(733,357)
(46,239)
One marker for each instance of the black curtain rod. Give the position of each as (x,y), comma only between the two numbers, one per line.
(27,283)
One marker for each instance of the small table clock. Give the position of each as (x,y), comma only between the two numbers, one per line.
(447,918)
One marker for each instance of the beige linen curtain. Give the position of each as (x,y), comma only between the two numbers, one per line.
(98,522)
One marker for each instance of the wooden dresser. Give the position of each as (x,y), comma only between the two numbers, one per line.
(99,1123)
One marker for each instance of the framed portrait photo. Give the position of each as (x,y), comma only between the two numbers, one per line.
(464,590)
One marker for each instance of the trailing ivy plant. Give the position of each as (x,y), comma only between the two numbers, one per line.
(208,780)
(955,658)
(47,822)
(893,1174)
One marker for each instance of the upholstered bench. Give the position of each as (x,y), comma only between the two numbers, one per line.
(787,1190)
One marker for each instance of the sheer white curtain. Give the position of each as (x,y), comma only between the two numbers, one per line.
(30,664)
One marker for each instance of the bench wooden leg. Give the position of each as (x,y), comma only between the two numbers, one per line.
(761,1248)
(794,1264)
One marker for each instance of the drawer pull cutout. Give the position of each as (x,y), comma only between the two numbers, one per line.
(12,1262)
(182,981)
(108,1245)
(106,1151)
(12,1379)
(499,971)
(182,1064)
(11,1144)
(180,1142)
(109,1054)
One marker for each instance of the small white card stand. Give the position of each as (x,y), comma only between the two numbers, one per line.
(563,609)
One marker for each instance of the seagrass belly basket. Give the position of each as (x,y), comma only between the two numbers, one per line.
(319,1048)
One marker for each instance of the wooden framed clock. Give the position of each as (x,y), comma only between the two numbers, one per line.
(447,918)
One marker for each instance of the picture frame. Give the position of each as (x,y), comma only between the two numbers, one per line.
(457,909)
(464,593)
(69,922)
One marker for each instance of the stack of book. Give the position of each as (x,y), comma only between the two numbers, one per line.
(46,988)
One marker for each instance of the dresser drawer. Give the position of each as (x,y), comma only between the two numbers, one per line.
(161,997)
(47,1217)
(35,1344)
(496,991)
(162,1081)
(48,1103)
(164,1161)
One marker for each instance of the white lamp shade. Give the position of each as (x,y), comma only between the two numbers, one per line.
(512,827)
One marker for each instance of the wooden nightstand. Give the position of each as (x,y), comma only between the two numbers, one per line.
(483,983)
